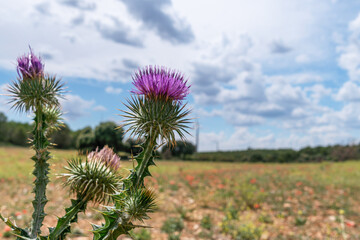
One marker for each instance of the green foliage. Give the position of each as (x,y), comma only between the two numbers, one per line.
(240,231)
(86,141)
(132,146)
(206,222)
(107,133)
(62,138)
(173,225)
(142,234)
(250,194)
(247,232)
(181,149)
(183,212)
(266,218)
(3,120)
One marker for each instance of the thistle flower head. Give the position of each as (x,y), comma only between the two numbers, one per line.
(160,82)
(96,178)
(30,66)
(107,156)
(33,88)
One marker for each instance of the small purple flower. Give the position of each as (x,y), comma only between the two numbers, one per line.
(107,156)
(30,66)
(160,82)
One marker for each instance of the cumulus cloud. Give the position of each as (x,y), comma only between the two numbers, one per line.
(130,64)
(349,92)
(79,4)
(118,32)
(75,107)
(295,78)
(167,26)
(100,108)
(349,58)
(278,47)
(113,90)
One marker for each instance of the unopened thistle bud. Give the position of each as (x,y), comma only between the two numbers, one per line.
(96,178)
(33,88)
(107,156)
(30,66)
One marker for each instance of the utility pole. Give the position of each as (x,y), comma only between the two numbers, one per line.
(197,129)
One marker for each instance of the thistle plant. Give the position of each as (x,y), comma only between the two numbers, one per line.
(154,113)
(38,93)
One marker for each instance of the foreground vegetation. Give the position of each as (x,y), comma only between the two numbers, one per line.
(213,200)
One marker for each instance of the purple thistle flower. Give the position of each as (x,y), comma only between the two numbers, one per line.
(30,66)
(160,82)
(107,156)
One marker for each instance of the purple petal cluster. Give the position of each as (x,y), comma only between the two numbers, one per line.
(30,66)
(107,156)
(160,82)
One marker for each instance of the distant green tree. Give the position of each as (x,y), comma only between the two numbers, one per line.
(181,149)
(86,140)
(3,132)
(19,136)
(108,133)
(132,146)
(62,138)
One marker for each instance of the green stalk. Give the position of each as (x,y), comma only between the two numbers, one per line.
(41,171)
(63,225)
(146,161)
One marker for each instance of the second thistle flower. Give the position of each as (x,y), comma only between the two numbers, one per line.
(156,108)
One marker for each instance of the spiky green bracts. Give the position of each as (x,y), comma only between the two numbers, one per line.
(33,91)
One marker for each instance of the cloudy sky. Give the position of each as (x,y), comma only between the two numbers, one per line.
(264,74)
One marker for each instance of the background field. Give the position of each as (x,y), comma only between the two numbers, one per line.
(211,200)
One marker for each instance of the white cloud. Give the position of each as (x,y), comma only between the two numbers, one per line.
(113,90)
(349,58)
(349,92)
(100,108)
(75,107)
(302,58)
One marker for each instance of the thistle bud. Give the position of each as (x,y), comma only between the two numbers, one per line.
(30,66)
(96,178)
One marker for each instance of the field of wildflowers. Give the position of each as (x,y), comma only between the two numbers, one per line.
(201,200)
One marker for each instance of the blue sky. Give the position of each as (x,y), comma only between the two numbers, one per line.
(264,74)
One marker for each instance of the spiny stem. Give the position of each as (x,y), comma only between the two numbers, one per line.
(63,225)
(41,171)
(148,151)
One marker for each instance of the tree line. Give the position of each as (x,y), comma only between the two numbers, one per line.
(108,133)
(87,139)
(335,153)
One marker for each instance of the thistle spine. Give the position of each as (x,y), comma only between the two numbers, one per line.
(41,171)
